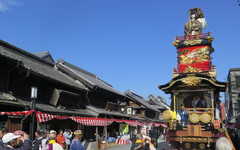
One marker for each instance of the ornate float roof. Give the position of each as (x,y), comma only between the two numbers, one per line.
(191,81)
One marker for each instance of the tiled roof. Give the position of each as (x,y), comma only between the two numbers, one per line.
(159,102)
(46,108)
(87,78)
(103,111)
(140,100)
(37,65)
(45,55)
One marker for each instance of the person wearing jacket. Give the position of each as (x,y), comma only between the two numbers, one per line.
(68,135)
(76,143)
(61,139)
(10,142)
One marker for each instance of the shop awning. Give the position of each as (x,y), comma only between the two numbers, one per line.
(160,124)
(87,121)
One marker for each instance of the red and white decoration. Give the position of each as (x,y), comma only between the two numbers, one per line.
(17,113)
(43,117)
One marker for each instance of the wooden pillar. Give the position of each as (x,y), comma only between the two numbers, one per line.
(105,135)
(96,137)
(212,101)
(174,102)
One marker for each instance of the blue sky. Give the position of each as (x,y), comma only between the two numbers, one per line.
(127,43)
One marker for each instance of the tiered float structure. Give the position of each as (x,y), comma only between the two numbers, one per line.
(194,85)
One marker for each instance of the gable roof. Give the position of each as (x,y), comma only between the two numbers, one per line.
(37,65)
(90,80)
(45,55)
(140,100)
(159,102)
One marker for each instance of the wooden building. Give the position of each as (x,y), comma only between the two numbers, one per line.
(20,71)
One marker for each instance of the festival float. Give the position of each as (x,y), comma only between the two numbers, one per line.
(196,118)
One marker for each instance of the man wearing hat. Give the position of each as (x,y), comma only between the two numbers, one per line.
(3,131)
(52,144)
(10,142)
(76,143)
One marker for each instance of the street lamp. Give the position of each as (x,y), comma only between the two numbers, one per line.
(34,91)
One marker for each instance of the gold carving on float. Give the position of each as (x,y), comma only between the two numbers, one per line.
(187,145)
(192,42)
(205,118)
(190,139)
(198,55)
(175,43)
(210,39)
(191,81)
(190,69)
(202,146)
(194,118)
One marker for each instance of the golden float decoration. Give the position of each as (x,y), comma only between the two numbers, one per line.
(202,146)
(192,42)
(205,118)
(191,81)
(187,145)
(194,118)
(191,69)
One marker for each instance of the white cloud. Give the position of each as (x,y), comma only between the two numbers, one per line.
(5,5)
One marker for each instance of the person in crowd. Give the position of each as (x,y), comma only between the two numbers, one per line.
(154,134)
(61,139)
(37,134)
(68,135)
(137,145)
(133,135)
(3,131)
(20,140)
(52,144)
(76,143)
(223,144)
(37,143)
(45,137)
(152,144)
(10,142)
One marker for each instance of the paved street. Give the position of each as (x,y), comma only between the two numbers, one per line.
(162,146)
(120,147)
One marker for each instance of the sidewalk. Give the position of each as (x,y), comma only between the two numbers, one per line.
(120,147)
(127,146)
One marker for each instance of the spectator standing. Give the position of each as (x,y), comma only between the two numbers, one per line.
(52,144)
(76,143)
(3,131)
(137,145)
(154,134)
(10,142)
(68,135)
(37,143)
(223,144)
(45,138)
(61,139)
(152,144)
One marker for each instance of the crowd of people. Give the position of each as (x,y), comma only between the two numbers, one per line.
(145,140)
(44,140)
